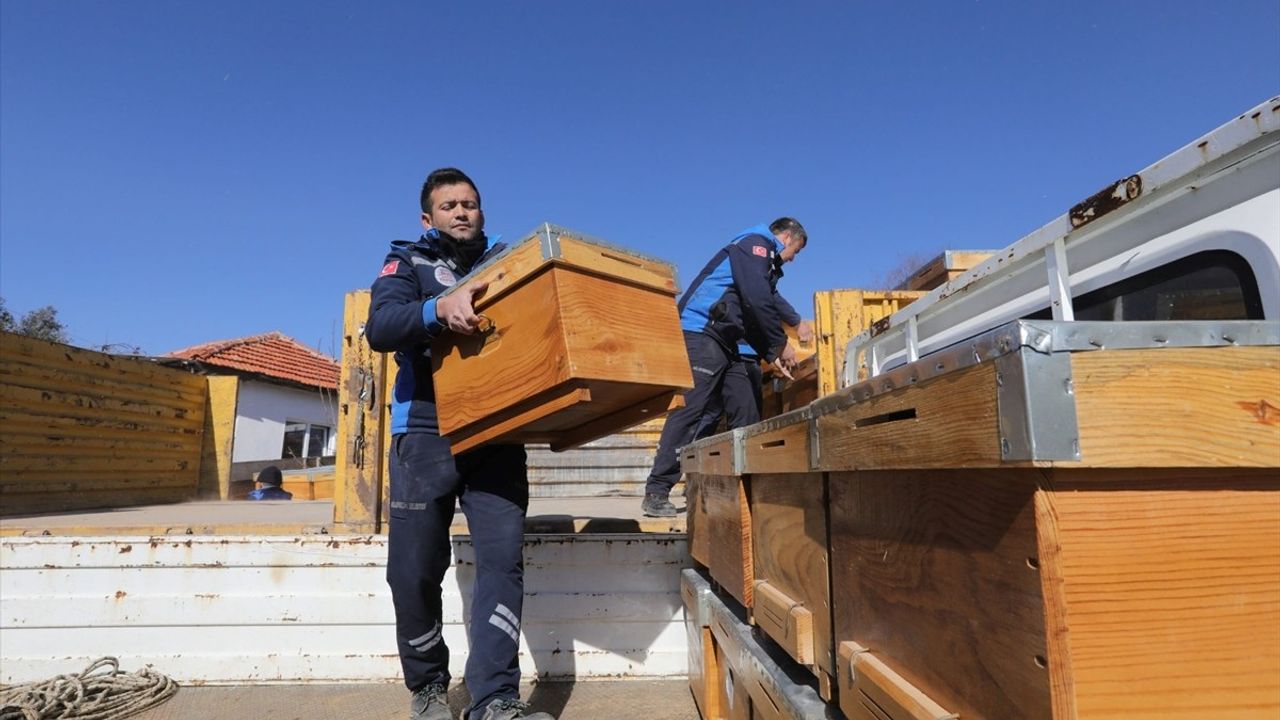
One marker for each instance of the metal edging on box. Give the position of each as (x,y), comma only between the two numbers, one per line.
(1036,396)
(739,451)
(1035,400)
(777,422)
(702,591)
(736,439)
(551,230)
(548,239)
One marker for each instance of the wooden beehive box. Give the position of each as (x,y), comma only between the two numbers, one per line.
(719,519)
(583,340)
(1078,532)
(788,519)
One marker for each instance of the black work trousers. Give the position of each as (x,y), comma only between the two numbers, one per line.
(492,485)
(720,381)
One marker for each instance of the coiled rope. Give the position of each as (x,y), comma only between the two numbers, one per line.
(101,692)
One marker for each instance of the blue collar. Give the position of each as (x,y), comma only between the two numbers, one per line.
(760,230)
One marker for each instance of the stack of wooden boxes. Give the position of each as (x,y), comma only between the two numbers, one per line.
(1024,526)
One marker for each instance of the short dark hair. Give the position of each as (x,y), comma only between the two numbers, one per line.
(271,475)
(440,178)
(791,225)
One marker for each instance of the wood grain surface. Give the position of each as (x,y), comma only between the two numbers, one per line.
(1178,407)
(947,422)
(936,572)
(1164,593)
(728,525)
(784,450)
(789,533)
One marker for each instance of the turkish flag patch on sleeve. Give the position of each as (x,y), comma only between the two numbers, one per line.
(390,268)
(760,250)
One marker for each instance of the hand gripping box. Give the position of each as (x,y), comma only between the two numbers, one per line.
(579,339)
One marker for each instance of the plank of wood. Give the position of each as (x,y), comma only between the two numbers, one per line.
(950,421)
(698,522)
(515,268)
(942,564)
(23,442)
(787,621)
(607,425)
(621,333)
(363,380)
(871,690)
(1178,407)
(789,550)
(500,424)
(79,361)
(728,524)
(19,426)
(1163,592)
(63,497)
(716,455)
(617,265)
(32,372)
(783,450)
(34,469)
(218,437)
(60,403)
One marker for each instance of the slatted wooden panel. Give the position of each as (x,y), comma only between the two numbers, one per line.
(937,573)
(82,429)
(615,465)
(842,314)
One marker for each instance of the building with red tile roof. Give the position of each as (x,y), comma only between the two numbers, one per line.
(271,356)
(285,397)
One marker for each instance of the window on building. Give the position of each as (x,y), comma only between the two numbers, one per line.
(1213,285)
(305,440)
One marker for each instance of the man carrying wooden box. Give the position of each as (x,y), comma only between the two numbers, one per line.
(491,482)
(734,299)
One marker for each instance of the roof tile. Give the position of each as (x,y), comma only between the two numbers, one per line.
(271,354)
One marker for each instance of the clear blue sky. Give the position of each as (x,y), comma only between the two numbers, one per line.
(178,172)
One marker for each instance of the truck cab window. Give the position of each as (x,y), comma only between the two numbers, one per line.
(1212,285)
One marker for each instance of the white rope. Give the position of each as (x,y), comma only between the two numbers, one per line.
(101,692)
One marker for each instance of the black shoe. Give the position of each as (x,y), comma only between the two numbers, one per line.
(657,506)
(430,703)
(511,709)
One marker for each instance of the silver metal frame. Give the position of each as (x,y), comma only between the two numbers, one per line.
(1127,216)
(1035,389)
(548,238)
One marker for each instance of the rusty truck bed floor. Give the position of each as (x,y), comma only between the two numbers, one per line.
(241,517)
(594,700)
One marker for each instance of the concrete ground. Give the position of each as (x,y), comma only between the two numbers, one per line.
(588,700)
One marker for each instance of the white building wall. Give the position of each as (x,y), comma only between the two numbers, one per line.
(262,409)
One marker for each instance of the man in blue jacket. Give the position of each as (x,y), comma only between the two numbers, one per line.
(741,399)
(734,299)
(491,482)
(271,479)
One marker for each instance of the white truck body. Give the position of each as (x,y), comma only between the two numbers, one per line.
(1219,193)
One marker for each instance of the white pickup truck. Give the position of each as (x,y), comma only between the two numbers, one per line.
(1193,237)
